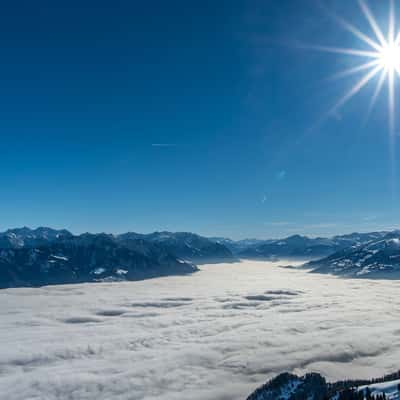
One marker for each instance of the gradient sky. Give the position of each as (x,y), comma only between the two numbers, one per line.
(199,116)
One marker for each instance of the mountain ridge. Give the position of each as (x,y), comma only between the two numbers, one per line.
(313,386)
(297,246)
(87,258)
(43,256)
(34,257)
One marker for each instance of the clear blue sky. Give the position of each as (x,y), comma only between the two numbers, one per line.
(187,115)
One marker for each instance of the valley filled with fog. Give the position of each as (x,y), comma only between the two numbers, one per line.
(216,334)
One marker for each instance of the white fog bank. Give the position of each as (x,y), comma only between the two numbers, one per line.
(215,335)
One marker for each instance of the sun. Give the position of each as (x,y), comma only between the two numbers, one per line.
(389,58)
(382,59)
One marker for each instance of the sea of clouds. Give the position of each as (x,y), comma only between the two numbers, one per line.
(217,334)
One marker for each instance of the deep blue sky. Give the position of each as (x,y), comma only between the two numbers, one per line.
(187,115)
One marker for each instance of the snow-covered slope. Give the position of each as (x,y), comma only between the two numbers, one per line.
(390,389)
(378,258)
(313,386)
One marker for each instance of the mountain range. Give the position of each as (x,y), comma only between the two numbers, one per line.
(296,246)
(356,255)
(42,256)
(185,245)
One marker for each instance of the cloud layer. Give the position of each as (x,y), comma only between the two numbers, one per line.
(215,335)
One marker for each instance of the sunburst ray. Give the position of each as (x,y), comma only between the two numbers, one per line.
(383,55)
(354,70)
(372,21)
(355,89)
(356,32)
(343,50)
(377,91)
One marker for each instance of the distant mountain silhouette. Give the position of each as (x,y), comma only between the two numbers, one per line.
(296,246)
(185,245)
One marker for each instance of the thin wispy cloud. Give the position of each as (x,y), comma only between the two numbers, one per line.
(325,229)
(278,223)
(321,225)
(370,218)
(163,144)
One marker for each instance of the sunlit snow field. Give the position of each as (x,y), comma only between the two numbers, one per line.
(217,334)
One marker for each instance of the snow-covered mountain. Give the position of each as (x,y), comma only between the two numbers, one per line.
(313,386)
(44,255)
(292,246)
(34,257)
(296,246)
(377,258)
(26,237)
(87,258)
(186,245)
(196,248)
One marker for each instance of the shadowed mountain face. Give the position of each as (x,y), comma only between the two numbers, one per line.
(187,246)
(292,387)
(378,258)
(238,246)
(46,256)
(87,258)
(293,246)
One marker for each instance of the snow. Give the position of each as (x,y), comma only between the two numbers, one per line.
(389,388)
(121,271)
(365,270)
(288,389)
(59,258)
(99,271)
(285,391)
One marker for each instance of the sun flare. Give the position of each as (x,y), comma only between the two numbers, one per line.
(382,59)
